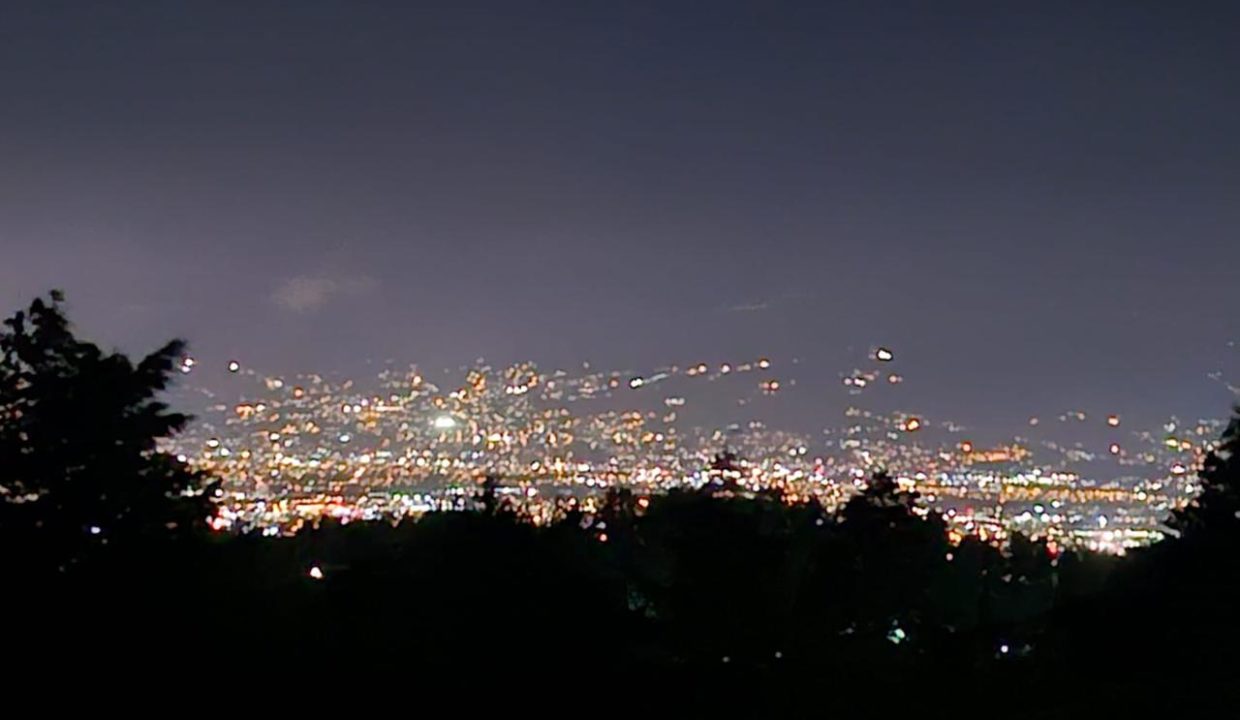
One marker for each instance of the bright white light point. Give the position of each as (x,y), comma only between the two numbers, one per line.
(1004,649)
(233,366)
(445,422)
(316,572)
(95,529)
(883,355)
(637,382)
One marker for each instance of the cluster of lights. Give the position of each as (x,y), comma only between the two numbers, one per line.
(292,451)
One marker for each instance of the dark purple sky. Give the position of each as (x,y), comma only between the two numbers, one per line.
(1035,203)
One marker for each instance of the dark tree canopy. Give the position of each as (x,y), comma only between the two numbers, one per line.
(80,464)
(1215,512)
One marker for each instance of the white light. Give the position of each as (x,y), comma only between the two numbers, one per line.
(883,355)
(316,572)
(95,529)
(233,366)
(445,422)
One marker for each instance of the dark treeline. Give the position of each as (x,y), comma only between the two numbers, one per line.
(732,602)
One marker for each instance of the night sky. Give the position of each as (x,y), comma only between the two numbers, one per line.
(1035,204)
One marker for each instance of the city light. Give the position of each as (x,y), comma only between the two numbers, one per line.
(408,446)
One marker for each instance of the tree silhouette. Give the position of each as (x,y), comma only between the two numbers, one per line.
(80,464)
(891,557)
(723,474)
(1181,594)
(1215,512)
(487,497)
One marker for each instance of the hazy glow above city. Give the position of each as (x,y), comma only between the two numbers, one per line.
(433,183)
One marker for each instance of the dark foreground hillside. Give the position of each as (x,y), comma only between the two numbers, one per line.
(705,601)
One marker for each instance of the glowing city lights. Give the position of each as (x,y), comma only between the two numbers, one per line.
(291,451)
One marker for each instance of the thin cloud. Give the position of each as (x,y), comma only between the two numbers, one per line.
(304,293)
(788,297)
